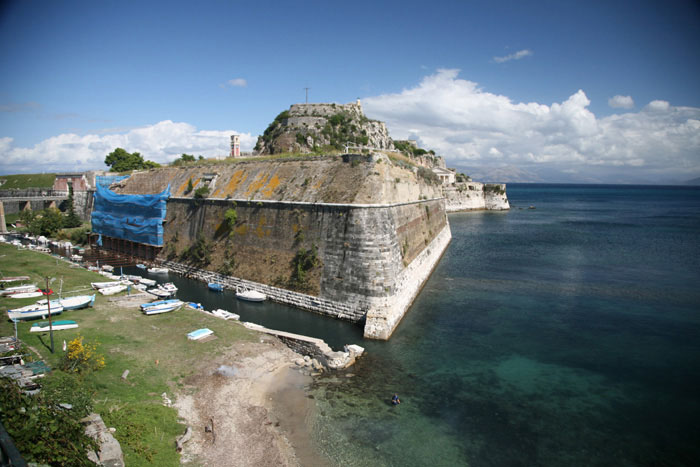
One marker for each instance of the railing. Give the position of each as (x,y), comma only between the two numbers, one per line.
(9,455)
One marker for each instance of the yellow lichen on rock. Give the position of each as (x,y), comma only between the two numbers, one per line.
(271,186)
(256,184)
(238,177)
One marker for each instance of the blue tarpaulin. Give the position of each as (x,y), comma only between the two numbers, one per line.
(137,218)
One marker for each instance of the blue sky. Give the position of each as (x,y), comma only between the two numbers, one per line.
(530,86)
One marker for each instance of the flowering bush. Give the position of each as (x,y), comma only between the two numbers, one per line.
(82,357)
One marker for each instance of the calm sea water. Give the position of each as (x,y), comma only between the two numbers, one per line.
(566,335)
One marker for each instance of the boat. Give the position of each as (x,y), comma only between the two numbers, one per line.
(250,295)
(225,315)
(163,306)
(35,311)
(215,287)
(159,292)
(14,279)
(158,270)
(115,289)
(195,306)
(26,294)
(107,267)
(77,258)
(141,266)
(199,334)
(148,282)
(77,302)
(141,287)
(19,289)
(102,285)
(55,325)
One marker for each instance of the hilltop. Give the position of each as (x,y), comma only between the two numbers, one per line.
(308,128)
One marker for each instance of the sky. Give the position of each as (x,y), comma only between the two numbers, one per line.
(557,91)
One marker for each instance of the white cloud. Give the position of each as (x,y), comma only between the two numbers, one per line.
(514,56)
(162,142)
(468,125)
(621,102)
(236,83)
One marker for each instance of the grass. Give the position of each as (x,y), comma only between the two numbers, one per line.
(22,181)
(154,349)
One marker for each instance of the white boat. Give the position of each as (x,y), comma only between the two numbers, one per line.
(148,282)
(250,295)
(115,289)
(163,306)
(55,325)
(19,289)
(159,292)
(141,287)
(107,267)
(102,285)
(35,311)
(76,258)
(77,302)
(14,279)
(26,294)
(225,315)
(158,270)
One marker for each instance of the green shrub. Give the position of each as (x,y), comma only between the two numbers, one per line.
(43,431)
(201,192)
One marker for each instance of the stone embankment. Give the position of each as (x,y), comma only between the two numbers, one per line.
(475,196)
(288,297)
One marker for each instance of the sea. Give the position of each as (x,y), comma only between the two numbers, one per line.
(564,332)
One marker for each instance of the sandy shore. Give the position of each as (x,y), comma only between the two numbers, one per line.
(248,407)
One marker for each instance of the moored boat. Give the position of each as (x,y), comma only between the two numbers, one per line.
(158,270)
(215,287)
(55,325)
(250,295)
(225,315)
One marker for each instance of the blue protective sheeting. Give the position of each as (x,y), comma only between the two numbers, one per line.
(107,180)
(137,218)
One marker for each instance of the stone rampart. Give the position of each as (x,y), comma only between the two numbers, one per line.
(371,257)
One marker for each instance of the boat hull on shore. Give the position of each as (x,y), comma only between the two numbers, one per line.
(55,325)
(35,311)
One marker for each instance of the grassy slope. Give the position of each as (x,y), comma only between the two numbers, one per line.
(154,349)
(27,181)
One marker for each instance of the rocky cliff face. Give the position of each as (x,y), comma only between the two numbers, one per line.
(475,196)
(309,128)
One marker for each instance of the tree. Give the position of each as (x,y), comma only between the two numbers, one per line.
(47,223)
(187,158)
(121,161)
(72,219)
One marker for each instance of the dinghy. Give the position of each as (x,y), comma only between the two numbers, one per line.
(56,325)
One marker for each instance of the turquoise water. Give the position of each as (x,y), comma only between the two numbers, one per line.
(568,334)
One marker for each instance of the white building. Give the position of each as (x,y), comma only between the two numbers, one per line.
(447,177)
